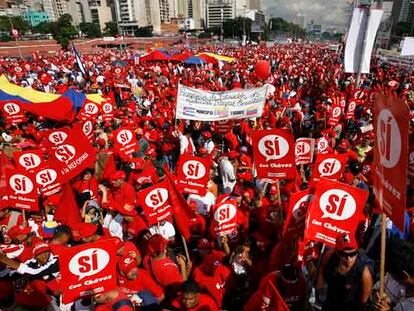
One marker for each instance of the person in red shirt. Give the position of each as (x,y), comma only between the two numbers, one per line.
(190,299)
(133,280)
(114,300)
(8,219)
(212,276)
(122,195)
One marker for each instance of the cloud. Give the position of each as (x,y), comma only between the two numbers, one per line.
(326,12)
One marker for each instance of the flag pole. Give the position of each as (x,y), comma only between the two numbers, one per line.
(367,8)
(383,240)
(187,255)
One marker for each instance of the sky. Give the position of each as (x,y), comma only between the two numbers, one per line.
(326,12)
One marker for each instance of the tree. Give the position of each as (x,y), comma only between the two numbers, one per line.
(111,29)
(326,35)
(45,27)
(234,27)
(64,31)
(18,23)
(144,31)
(91,30)
(402,29)
(280,26)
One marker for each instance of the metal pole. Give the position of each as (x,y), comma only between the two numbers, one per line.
(364,43)
(222,17)
(15,38)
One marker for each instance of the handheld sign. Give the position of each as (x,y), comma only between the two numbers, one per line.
(28,160)
(391,127)
(274,154)
(125,141)
(87,270)
(193,174)
(296,214)
(304,148)
(22,190)
(224,219)
(329,166)
(155,203)
(336,208)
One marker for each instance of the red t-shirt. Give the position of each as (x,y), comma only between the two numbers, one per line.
(144,281)
(213,284)
(205,303)
(109,306)
(147,176)
(121,196)
(165,272)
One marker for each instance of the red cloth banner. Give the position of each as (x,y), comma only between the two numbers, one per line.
(48,179)
(13,112)
(125,141)
(296,214)
(22,190)
(391,127)
(224,219)
(28,160)
(89,111)
(74,155)
(87,270)
(155,202)
(57,137)
(336,209)
(274,154)
(329,166)
(304,149)
(193,174)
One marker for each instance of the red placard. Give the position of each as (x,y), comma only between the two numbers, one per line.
(13,112)
(304,148)
(87,270)
(88,111)
(329,166)
(48,179)
(74,155)
(274,154)
(296,214)
(125,141)
(223,127)
(322,145)
(224,219)
(155,202)
(107,111)
(336,209)
(57,137)
(350,113)
(28,160)
(193,174)
(411,161)
(21,190)
(87,127)
(335,115)
(391,126)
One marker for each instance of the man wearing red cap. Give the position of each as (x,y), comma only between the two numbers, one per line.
(190,299)
(136,281)
(8,219)
(347,276)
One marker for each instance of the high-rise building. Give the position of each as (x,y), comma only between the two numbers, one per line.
(100,12)
(60,7)
(241,6)
(384,30)
(402,11)
(220,11)
(256,5)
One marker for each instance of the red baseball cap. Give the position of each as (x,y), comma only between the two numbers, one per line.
(233,155)
(126,264)
(117,175)
(40,248)
(15,231)
(156,244)
(87,230)
(345,242)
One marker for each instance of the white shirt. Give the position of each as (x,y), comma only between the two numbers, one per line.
(204,203)
(166,229)
(209,145)
(228,175)
(114,225)
(186,144)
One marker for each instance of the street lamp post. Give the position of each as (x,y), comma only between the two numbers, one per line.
(15,37)
(222,19)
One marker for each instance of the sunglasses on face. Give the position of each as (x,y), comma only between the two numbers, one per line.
(347,254)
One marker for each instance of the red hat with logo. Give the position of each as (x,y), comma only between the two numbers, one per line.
(126,264)
(117,175)
(15,231)
(87,230)
(156,244)
(206,134)
(40,248)
(345,242)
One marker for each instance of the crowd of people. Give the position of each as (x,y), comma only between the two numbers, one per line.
(253,268)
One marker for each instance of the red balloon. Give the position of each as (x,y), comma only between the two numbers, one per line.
(262,69)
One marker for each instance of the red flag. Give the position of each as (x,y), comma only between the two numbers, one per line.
(60,109)
(28,160)
(391,126)
(109,167)
(5,164)
(67,211)
(296,214)
(181,209)
(22,189)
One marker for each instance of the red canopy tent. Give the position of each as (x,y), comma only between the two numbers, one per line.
(156,55)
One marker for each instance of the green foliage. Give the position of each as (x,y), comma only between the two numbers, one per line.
(327,35)
(144,32)
(91,30)
(280,26)
(204,35)
(111,29)
(18,23)
(45,27)
(234,27)
(62,30)
(402,29)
